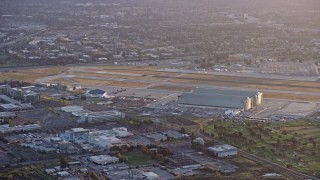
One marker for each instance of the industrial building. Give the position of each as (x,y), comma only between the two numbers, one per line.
(79,134)
(4,89)
(103,159)
(257,97)
(31,97)
(71,109)
(7,115)
(224,150)
(9,107)
(19,128)
(104,142)
(120,131)
(150,176)
(7,100)
(92,117)
(102,139)
(243,100)
(23,94)
(16,93)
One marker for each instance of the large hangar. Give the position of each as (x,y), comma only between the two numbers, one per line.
(257,97)
(221,98)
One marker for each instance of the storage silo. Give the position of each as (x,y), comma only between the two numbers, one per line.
(259,98)
(248,104)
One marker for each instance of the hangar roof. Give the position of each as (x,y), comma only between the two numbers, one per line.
(214,100)
(225,92)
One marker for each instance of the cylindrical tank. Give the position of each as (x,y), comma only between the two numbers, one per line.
(259,98)
(248,104)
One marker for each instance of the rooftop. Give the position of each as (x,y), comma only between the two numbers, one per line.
(221,148)
(213,100)
(225,92)
(79,130)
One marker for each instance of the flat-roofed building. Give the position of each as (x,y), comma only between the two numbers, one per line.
(9,107)
(7,115)
(213,100)
(257,97)
(103,159)
(120,131)
(5,89)
(223,150)
(31,98)
(221,98)
(79,134)
(92,117)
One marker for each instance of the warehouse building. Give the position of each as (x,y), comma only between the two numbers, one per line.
(213,100)
(257,97)
(103,159)
(5,89)
(243,100)
(9,107)
(93,117)
(223,150)
(31,98)
(7,115)
(24,94)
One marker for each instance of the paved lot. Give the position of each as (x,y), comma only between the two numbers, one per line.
(285,108)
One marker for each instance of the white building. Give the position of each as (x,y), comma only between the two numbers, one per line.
(102,116)
(223,150)
(199,140)
(120,131)
(150,176)
(103,159)
(104,142)
(71,109)
(232,112)
(78,135)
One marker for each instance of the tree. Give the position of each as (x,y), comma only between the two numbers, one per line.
(123,158)
(63,162)
(193,136)
(183,130)
(289,165)
(314,144)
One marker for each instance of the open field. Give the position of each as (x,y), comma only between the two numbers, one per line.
(19,76)
(292,144)
(140,77)
(171,88)
(250,83)
(136,158)
(46,71)
(94,82)
(29,172)
(288,96)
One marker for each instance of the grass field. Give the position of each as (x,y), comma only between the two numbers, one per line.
(29,172)
(288,96)
(293,144)
(19,76)
(136,158)
(171,88)
(94,82)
